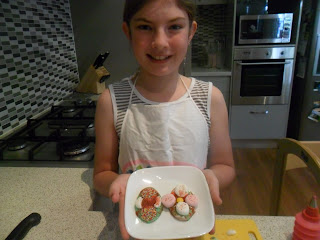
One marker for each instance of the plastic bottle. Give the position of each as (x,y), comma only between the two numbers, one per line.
(307,223)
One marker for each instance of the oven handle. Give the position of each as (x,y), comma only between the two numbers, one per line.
(263,63)
(262,112)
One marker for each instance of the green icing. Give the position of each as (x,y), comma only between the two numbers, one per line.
(158,210)
(139,167)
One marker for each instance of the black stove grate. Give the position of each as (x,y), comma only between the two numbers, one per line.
(60,129)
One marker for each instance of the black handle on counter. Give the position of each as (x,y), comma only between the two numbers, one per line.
(24,226)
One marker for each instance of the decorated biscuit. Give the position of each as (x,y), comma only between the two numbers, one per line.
(148,205)
(181,202)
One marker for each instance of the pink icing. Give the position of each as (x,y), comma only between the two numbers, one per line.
(168,200)
(192,200)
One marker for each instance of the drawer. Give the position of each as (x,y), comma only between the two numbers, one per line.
(258,121)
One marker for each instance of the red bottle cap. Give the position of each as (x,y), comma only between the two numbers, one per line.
(307,223)
(311,212)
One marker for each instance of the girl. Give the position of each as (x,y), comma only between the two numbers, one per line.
(158,117)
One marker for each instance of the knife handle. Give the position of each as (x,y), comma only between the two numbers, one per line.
(24,226)
(104,78)
(100,60)
(96,62)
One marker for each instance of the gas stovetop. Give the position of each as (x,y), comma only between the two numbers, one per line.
(62,137)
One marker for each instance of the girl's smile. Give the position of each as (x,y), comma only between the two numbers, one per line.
(158,58)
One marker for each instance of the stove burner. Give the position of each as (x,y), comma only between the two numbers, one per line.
(68,110)
(16,145)
(90,130)
(80,102)
(74,147)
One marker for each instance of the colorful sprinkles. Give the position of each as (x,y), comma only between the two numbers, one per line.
(148,213)
(148,192)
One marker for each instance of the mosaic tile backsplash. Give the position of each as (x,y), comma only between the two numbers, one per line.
(212,24)
(38,65)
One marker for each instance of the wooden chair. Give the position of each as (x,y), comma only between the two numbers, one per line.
(293,154)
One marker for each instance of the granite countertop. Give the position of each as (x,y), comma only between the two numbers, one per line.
(64,198)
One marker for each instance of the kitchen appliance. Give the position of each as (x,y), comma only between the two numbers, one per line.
(305,92)
(64,136)
(262,75)
(252,7)
(265,28)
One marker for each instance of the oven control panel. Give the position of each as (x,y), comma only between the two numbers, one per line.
(264,53)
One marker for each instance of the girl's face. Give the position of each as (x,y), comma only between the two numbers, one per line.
(160,34)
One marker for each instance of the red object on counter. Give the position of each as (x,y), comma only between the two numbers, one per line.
(307,223)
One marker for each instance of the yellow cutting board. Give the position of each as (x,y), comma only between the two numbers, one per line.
(243,228)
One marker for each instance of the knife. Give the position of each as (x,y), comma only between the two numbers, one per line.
(100,60)
(24,226)
(104,78)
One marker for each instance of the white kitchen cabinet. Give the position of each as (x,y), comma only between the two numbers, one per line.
(258,121)
(221,82)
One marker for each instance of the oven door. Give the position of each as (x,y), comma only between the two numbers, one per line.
(262,82)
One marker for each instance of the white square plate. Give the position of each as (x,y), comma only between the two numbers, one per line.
(164,180)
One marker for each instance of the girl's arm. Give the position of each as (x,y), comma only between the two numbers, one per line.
(221,170)
(106,146)
(106,179)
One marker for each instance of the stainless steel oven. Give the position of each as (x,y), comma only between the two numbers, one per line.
(262,75)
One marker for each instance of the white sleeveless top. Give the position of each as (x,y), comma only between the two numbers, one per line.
(161,134)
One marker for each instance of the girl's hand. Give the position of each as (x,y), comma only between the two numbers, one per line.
(213,184)
(117,194)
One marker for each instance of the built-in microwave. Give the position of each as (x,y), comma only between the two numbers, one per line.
(267,28)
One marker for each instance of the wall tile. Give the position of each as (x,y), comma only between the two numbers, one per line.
(38,65)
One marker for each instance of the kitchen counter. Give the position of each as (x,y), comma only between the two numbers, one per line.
(65,199)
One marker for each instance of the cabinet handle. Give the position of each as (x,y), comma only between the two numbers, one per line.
(262,63)
(262,112)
